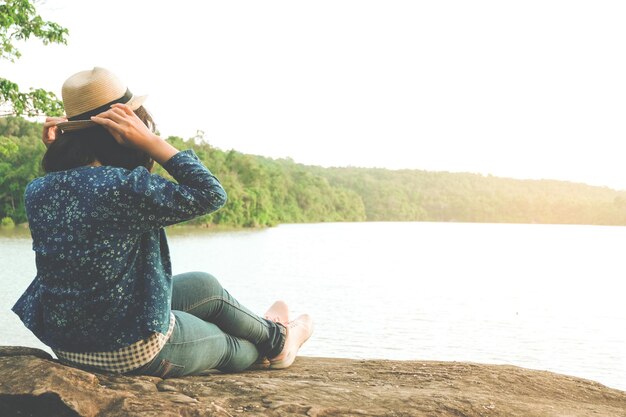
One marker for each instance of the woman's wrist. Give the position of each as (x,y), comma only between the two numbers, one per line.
(158,149)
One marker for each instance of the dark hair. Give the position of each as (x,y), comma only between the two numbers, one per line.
(77,148)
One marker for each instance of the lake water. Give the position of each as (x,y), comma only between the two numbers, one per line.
(539,296)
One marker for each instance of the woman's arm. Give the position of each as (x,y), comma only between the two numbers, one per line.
(150,201)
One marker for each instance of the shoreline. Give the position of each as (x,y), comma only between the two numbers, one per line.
(22,230)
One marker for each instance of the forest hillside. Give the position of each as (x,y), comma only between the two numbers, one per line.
(264,191)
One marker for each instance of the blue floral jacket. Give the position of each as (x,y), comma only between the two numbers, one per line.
(104,278)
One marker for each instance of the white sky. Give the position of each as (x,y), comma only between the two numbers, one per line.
(525,89)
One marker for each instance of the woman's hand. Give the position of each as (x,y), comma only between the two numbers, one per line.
(124,125)
(50,129)
(128,130)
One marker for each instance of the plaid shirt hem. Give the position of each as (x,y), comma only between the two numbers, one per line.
(123,360)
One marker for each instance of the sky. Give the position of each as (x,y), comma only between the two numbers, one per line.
(533,89)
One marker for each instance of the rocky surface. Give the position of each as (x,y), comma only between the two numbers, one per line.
(33,384)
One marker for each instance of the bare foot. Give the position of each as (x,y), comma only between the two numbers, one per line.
(278,313)
(298,332)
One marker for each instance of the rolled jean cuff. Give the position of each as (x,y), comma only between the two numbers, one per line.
(276,341)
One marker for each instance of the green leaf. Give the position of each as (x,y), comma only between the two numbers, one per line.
(19,21)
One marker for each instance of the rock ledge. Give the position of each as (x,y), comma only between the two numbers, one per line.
(34,384)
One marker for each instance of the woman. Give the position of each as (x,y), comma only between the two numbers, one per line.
(104,298)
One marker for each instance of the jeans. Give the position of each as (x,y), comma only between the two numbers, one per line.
(212,331)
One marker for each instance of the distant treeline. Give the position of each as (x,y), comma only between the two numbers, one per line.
(264,192)
(413,195)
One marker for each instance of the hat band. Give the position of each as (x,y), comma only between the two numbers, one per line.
(87,115)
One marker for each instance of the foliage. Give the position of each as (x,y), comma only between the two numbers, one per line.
(264,192)
(35,102)
(19,21)
(414,195)
(7,222)
(21,151)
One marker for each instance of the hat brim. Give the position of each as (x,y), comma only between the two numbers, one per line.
(134,103)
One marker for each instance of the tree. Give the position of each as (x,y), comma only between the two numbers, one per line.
(19,21)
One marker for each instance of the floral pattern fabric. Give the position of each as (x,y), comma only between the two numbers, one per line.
(104,278)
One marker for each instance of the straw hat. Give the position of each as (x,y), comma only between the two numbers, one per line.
(92,92)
